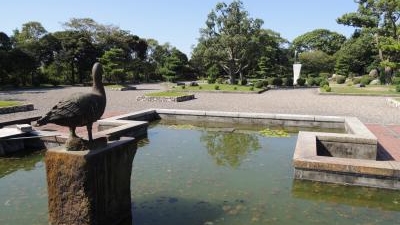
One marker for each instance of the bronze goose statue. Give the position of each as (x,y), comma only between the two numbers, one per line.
(80,109)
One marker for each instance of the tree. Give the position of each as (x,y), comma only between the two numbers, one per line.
(229,149)
(114,65)
(319,40)
(356,55)
(380,18)
(228,36)
(317,62)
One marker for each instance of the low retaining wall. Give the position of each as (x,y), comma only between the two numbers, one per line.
(165,99)
(349,158)
(17,108)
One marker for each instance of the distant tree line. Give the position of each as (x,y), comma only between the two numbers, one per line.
(34,56)
(232,47)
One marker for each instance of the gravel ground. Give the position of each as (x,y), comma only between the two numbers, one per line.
(288,101)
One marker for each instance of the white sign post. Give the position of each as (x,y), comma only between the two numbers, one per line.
(296,72)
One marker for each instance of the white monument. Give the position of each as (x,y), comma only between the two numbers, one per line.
(296,69)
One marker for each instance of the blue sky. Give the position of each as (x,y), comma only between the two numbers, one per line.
(176,21)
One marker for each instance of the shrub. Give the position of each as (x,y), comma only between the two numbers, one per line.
(265,83)
(275,81)
(324,75)
(216,87)
(287,81)
(301,81)
(311,81)
(365,80)
(251,88)
(219,80)
(235,88)
(327,88)
(200,87)
(211,80)
(356,80)
(183,87)
(243,82)
(396,80)
(398,88)
(340,79)
(323,83)
(259,84)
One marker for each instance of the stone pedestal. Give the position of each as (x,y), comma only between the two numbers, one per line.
(90,187)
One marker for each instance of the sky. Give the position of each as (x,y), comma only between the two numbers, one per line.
(176,21)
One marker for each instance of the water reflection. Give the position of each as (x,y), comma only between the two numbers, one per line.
(348,195)
(229,148)
(16,162)
(170,210)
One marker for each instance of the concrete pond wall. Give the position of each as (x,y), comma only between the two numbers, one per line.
(349,158)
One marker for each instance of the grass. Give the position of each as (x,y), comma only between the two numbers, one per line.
(221,87)
(166,94)
(378,90)
(9,103)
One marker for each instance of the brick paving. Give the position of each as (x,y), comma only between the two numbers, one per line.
(388,138)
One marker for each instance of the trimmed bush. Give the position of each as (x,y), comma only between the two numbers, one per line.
(243,82)
(398,88)
(219,80)
(275,81)
(287,81)
(356,80)
(211,80)
(259,84)
(365,80)
(301,81)
(323,83)
(216,87)
(311,81)
(396,80)
(327,88)
(340,79)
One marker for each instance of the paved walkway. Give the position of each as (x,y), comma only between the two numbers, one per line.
(382,119)
(388,138)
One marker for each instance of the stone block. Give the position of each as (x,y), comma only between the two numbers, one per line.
(90,187)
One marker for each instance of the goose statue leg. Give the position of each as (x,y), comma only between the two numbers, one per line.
(89,130)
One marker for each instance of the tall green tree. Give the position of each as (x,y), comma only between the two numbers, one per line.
(228,36)
(381,19)
(114,62)
(319,40)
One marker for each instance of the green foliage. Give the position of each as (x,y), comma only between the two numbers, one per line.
(398,88)
(327,88)
(360,52)
(229,149)
(311,81)
(356,80)
(219,80)
(322,40)
(365,80)
(301,81)
(275,81)
(232,40)
(274,133)
(212,74)
(396,80)
(340,79)
(316,62)
(259,84)
(323,83)
(287,81)
(216,87)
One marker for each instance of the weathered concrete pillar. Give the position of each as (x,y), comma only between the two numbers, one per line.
(90,187)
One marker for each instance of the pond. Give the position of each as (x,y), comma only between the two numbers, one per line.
(191,175)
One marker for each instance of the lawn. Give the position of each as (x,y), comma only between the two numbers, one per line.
(9,103)
(218,87)
(379,90)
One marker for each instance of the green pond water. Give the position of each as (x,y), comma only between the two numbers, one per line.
(202,176)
